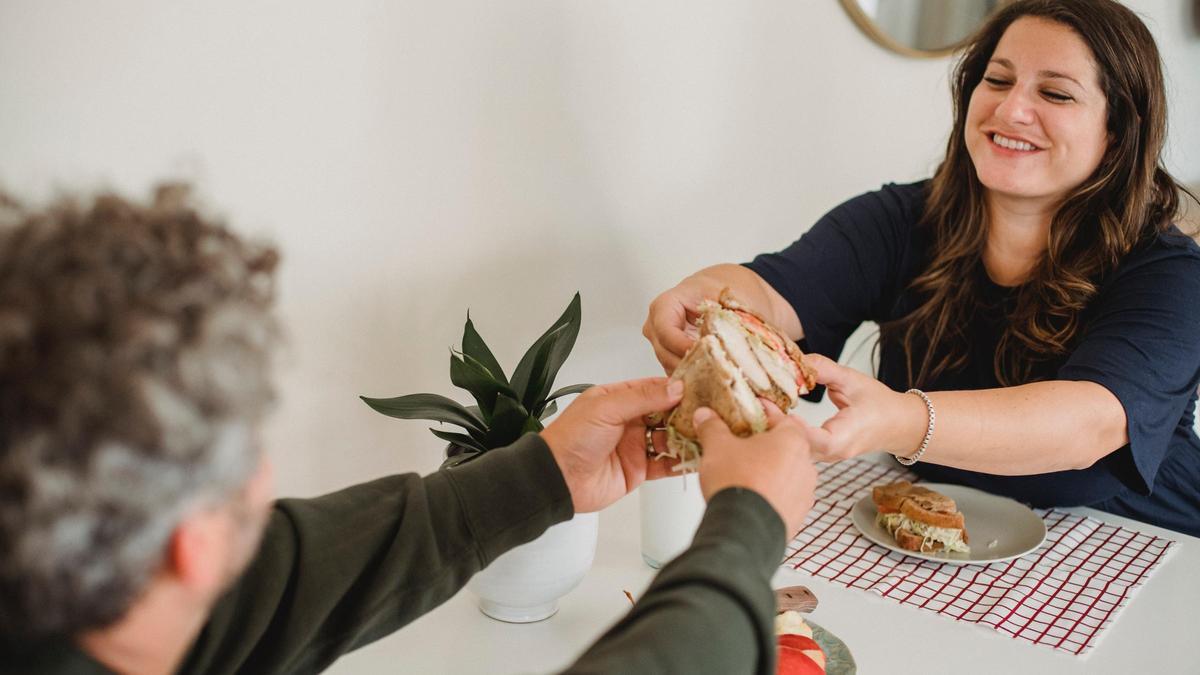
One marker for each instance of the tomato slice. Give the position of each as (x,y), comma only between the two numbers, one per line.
(798,641)
(795,662)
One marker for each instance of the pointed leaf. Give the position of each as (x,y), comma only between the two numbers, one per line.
(537,369)
(474,346)
(461,458)
(508,422)
(462,440)
(549,406)
(539,366)
(427,407)
(532,424)
(568,390)
(467,373)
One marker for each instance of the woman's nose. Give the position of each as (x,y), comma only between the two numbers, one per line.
(1016,108)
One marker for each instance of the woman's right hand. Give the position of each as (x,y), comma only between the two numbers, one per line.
(670,325)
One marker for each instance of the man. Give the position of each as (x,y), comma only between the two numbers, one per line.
(137,531)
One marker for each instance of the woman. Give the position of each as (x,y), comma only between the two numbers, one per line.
(1034,287)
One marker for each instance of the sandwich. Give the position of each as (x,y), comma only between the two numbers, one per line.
(920,519)
(737,359)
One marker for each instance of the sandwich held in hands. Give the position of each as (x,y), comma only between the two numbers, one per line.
(920,519)
(737,359)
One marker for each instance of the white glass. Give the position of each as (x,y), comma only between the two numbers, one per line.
(671,509)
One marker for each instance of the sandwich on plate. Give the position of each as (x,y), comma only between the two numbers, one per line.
(738,358)
(920,519)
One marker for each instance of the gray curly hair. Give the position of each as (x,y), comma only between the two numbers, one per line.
(135,344)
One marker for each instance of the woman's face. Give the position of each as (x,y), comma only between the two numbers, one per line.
(1036,124)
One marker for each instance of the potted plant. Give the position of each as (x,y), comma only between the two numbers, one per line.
(524,584)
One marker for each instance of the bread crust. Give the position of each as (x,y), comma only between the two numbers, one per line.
(709,382)
(922,505)
(888,497)
(930,510)
(911,541)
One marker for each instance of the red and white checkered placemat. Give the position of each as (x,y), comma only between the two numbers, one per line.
(1063,595)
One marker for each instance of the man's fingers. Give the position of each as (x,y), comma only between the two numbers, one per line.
(774,414)
(820,440)
(710,428)
(632,399)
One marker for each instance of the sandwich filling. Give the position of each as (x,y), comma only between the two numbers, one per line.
(951,539)
(737,359)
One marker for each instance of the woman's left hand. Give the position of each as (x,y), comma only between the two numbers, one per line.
(870,415)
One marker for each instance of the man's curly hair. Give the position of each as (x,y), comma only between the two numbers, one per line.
(135,344)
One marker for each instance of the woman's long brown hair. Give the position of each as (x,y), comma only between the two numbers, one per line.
(1126,201)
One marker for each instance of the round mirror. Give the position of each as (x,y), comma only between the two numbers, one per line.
(920,27)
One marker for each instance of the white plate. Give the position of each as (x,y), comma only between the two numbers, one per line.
(1000,528)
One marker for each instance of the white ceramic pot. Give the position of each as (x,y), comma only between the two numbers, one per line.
(525,584)
(671,509)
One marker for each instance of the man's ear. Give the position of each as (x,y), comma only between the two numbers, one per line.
(198,551)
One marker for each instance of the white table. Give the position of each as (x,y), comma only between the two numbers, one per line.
(1156,633)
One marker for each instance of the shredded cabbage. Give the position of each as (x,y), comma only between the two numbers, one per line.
(689,456)
(950,538)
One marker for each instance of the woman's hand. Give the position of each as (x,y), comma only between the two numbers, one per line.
(599,441)
(670,324)
(870,415)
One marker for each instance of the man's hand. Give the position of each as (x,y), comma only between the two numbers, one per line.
(776,463)
(599,441)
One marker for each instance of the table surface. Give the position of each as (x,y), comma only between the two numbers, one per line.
(1155,633)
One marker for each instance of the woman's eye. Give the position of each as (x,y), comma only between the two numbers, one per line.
(996,81)
(1056,96)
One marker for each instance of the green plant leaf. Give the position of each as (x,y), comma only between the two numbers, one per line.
(532,424)
(467,373)
(537,369)
(428,407)
(568,390)
(461,440)
(549,407)
(474,346)
(508,422)
(461,458)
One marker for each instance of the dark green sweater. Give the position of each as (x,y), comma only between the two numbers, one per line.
(343,570)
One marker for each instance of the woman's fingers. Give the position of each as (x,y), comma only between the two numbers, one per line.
(832,374)
(668,330)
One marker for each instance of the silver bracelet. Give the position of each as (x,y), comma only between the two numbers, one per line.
(912,459)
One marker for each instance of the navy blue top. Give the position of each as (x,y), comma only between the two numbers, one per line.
(1140,340)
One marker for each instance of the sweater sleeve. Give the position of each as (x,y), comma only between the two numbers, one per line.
(340,571)
(711,610)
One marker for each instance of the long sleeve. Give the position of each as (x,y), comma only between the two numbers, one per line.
(711,610)
(340,571)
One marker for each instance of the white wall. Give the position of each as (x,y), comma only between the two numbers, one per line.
(414,159)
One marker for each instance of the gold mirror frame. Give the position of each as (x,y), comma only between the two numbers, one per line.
(868,26)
